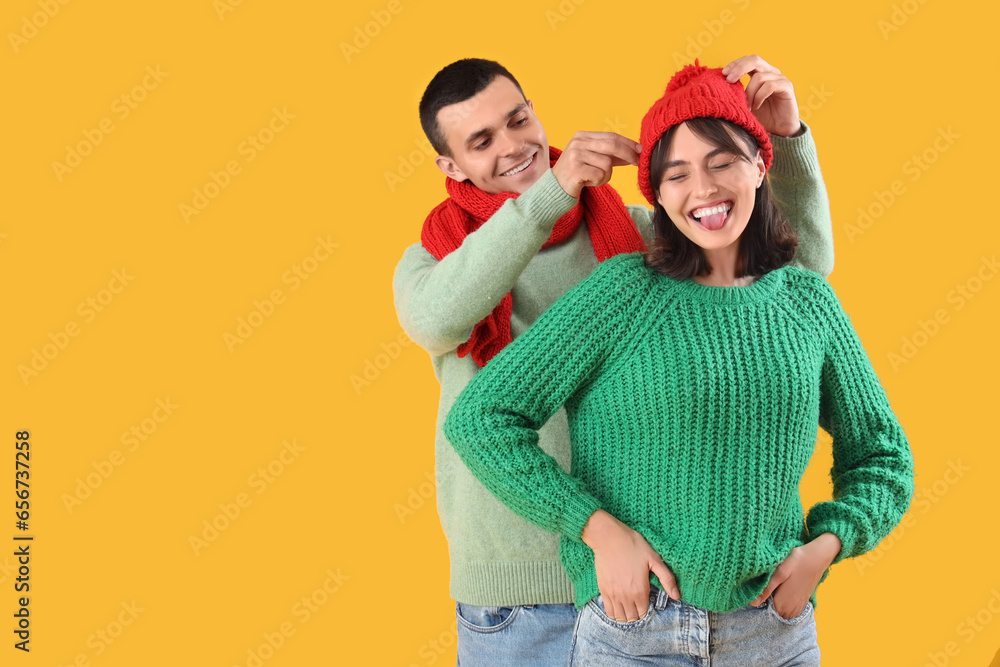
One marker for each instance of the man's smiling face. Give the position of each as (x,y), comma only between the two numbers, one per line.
(496,140)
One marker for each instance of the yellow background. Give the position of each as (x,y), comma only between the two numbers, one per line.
(348,166)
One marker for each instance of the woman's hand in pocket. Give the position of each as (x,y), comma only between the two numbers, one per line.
(796,577)
(623,560)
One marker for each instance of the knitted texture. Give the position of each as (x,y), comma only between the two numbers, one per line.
(498,558)
(697,92)
(467,207)
(692,414)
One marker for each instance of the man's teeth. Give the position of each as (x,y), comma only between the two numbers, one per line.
(702,212)
(519,168)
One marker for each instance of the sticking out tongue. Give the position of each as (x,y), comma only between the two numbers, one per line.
(714,221)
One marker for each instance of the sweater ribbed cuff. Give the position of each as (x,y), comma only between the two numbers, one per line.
(827,517)
(576,513)
(545,202)
(794,156)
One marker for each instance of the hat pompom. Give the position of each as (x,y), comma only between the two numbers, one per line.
(682,77)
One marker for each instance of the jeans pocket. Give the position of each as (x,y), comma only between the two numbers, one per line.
(485,619)
(597,606)
(806,611)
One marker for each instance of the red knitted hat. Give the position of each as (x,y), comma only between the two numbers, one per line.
(694,92)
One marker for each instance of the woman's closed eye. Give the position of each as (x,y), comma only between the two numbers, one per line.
(724,164)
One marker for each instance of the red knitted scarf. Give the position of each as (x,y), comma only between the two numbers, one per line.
(611,232)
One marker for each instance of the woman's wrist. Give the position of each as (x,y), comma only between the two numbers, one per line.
(828,545)
(599,527)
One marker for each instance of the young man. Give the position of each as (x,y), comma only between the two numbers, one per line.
(524,223)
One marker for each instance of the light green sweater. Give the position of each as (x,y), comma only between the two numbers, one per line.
(498,558)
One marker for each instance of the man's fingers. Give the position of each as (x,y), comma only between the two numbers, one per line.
(594,177)
(604,136)
(754,85)
(589,158)
(580,168)
(611,144)
(620,149)
(740,67)
(762,87)
(592,168)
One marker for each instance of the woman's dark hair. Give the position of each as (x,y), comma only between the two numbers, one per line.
(768,241)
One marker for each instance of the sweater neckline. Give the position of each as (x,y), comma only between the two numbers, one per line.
(759,291)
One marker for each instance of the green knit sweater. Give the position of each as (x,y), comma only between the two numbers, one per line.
(692,414)
(498,558)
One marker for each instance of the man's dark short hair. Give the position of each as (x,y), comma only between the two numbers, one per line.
(456,83)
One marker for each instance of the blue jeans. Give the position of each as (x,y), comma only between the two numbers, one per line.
(675,633)
(530,635)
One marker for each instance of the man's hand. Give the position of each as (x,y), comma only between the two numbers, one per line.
(623,560)
(769,94)
(589,157)
(797,576)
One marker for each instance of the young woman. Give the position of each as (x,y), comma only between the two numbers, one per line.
(694,378)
